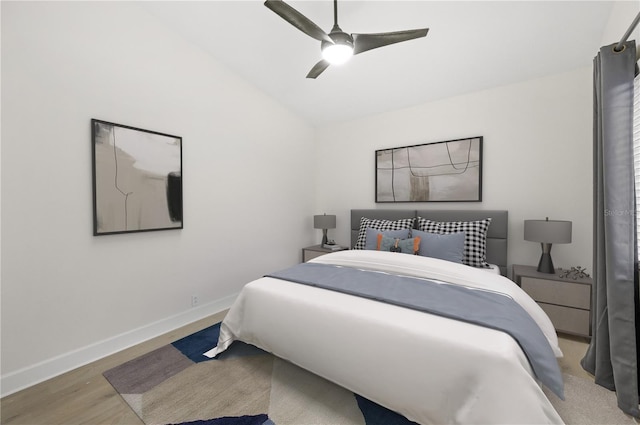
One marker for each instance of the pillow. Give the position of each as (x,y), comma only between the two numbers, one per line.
(448,247)
(371,241)
(405,246)
(475,243)
(405,223)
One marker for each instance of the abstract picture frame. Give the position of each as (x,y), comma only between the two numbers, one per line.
(137,179)
(446,171)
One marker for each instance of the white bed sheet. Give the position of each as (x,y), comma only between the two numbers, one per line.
(493,269)
(431,369)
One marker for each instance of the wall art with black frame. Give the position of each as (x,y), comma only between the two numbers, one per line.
(137,179)
(448,171)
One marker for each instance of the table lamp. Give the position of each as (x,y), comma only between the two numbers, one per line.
(324,222)
(547,232)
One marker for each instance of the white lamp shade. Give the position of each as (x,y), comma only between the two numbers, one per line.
(324,221)
(547,231)
(337,54)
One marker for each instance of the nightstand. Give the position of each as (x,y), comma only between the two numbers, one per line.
(566,301)
(312,252)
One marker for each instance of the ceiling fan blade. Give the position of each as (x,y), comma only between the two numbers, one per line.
(364,42)
(297,19)
(318,69)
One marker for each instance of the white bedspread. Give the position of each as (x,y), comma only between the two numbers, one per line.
(431,369)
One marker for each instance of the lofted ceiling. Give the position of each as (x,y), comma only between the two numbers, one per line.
(471,46)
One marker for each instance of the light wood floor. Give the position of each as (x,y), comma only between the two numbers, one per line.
(83,396)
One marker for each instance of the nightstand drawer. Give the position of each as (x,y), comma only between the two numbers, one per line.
(557,292)
(567,319)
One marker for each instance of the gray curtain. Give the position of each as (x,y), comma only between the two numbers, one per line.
(612,356)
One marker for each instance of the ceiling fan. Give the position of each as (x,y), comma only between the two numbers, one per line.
(338,46)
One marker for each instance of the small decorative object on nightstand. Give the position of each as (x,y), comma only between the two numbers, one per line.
(566,300)
(312,252)
(573,273)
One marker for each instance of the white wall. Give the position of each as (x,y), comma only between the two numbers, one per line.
(245,164)
(536,161)
(537,152)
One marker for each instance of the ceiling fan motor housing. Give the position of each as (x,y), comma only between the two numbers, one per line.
(339,37)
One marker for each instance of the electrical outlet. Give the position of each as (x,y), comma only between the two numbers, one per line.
(194,300)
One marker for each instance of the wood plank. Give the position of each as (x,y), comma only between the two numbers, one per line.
(83,395)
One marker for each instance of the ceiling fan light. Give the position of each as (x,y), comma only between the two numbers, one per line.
(337,54)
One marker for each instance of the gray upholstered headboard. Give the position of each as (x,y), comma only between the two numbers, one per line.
(496,235)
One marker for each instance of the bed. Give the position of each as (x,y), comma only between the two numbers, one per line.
(428,367)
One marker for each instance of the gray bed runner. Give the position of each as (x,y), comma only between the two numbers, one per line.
(479,307)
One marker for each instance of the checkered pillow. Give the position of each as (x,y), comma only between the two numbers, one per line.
(475,241)
(405,223)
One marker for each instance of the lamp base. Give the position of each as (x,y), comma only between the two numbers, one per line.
(546,264)
(324,237)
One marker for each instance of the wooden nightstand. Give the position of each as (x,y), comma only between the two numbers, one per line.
(312,252)
(566,301)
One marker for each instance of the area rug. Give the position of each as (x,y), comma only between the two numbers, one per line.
(176,384)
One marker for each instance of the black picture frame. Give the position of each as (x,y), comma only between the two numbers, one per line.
(137,179)
(447,171)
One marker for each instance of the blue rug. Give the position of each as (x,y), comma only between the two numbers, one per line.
(245,385)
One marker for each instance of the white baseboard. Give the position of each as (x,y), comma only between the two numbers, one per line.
(31,375)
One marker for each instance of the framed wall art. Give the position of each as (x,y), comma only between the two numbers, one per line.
(449,171)
(137,179)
